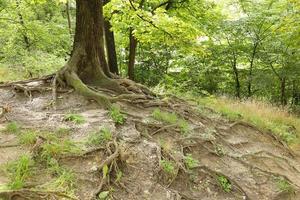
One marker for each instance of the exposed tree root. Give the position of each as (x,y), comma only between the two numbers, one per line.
(28,194)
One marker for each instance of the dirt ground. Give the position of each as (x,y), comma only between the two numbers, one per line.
(254,163)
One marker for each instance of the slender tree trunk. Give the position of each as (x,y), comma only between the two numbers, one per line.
(111,48)
(283,93)
(69,16)
(132,52)
(21,21)
(236,77)
(250,75)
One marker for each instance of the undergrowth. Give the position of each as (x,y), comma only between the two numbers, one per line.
(116,115)
(100,137)
(224,183)
(76,118)
(262,115)
(12,128)
(173,119)
(19,171)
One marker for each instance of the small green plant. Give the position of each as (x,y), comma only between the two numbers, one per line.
(167,166)
(100,137)
(19,171)
(65,178)
(219,150)
(284,186)
(171,118)
(28,138)
(116,115)
(224,183)
(58,148)
(63,131)
(190,161)
(76,118)
(12,128)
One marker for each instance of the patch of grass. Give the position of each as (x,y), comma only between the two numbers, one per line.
(167,166)
(190,162)
(284,186)
(263,115)
(28,138)
(224,183)
(116,115)
(100,137)
(65,179)
(12,128)
(171,118)
(76,118)
(63,131)
(19,171)
(58,148)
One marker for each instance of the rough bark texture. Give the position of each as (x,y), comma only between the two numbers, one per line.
(111,48)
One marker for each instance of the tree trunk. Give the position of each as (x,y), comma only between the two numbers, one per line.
(250,75)
(111,48)
(282,91)
(69,17)
(132,52)
(88,42)
(236,77)
(22,23)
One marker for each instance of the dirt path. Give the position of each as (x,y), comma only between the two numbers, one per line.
(233,160)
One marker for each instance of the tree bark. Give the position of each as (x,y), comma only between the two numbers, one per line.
(282,90)
(111,48)
(69,17)
(22,23)
(236,77)
(250,75)
(132,52)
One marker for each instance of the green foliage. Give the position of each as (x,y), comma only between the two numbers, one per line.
(12,128)
(190,162)
(19,171)
(284,186)
(167,166)
(103,195)
(116,115)
(224,183)
(58,148)
(28,137)
(62,131)
(100,137)
(76,118)
(171,118)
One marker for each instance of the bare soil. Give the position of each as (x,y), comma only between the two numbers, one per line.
(251,160)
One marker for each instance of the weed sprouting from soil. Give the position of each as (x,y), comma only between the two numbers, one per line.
(190,162)
(12,128)
(19,171)
(100,137)
(28,138)
(76,118)
(173,119)
(167,166)
(116,115)
(284,186)
(224,183)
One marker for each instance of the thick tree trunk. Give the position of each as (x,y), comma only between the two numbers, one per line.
(88,42)
(132,52)
(111,48)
